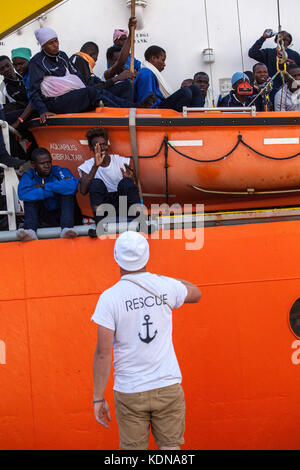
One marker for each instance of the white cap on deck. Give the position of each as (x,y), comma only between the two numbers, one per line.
(132,251)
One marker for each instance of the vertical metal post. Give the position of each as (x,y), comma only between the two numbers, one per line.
(132,39)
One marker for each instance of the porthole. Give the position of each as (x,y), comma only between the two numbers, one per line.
(294,318)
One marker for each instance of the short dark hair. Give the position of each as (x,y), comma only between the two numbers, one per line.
(203,74)
(111,50)
(292,66)
(155,51)
(4,57)
(96,132)
(38,153)
(90,47)
(285,32)
(257,64)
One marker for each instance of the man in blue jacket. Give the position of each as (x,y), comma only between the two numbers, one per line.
(49,195)
(268,56)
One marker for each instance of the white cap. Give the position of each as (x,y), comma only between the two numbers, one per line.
(44,35)
(131,251)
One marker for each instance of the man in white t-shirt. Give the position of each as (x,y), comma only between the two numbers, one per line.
(106,177)
(135,320)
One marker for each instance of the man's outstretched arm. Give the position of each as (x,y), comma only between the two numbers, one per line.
(194,294)
(101,369)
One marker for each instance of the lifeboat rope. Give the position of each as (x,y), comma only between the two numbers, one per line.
(240,140)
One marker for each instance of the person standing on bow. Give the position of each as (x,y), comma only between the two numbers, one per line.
(134,318)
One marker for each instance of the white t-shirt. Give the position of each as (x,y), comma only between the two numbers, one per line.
(110,175)
(289,101)
(136,317)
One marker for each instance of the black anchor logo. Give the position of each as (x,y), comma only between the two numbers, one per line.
(148,338)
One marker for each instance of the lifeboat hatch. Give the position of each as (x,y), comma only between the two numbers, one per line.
(294,318)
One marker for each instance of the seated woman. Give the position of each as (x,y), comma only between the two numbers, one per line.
(56,86)
(150,80)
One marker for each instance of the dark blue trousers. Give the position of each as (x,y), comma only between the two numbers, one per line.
(85,99)
(123,90)
(188,96)
(99,194)
(38,216)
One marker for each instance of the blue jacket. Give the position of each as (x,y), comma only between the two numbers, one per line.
(42,65)
(59,182)
(268,57)
(146,83)
(137,64)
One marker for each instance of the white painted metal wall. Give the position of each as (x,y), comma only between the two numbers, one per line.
(179,26)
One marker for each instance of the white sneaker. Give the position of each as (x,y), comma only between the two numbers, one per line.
(68,233)
(26,235)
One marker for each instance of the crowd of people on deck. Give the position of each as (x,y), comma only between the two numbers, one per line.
(51,83)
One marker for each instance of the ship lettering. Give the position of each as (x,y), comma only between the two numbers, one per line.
(2,353)
(296,354)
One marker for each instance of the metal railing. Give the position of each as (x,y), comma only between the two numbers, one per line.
(251,110)
(13,205)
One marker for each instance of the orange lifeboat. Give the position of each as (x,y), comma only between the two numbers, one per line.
(224,160)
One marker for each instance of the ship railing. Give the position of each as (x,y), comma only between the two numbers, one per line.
(13,205)
(250,109)
(5,132)
(10,185)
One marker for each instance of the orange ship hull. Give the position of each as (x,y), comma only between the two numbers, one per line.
(239,358)
(222,152)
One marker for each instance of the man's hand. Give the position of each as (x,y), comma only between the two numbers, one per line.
(267,34)
(125,75)
(102,414)
(44,116)
(16,124)
(128,172)
(132,23)
(99,155)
